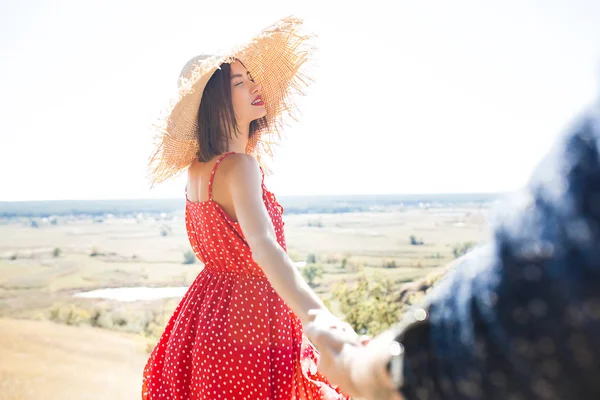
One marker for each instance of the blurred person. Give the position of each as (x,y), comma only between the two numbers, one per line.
(238,331)
(518,318)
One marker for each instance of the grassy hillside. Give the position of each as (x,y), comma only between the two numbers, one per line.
(42,360)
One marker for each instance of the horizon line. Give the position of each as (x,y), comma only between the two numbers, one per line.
(414,194)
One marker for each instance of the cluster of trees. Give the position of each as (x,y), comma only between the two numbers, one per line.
(370,304)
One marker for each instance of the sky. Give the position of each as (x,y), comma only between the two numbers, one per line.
(409,97)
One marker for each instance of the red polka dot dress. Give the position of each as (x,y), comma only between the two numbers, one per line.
(232,336)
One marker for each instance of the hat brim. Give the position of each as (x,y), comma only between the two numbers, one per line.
(275,58)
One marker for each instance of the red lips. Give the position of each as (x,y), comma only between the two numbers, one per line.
(258,101)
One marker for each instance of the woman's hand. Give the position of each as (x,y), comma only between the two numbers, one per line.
(359,370)
(321,320)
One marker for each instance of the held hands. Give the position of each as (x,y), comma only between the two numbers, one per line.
(322,320)
(356,364)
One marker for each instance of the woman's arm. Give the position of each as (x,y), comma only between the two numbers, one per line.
(245,186)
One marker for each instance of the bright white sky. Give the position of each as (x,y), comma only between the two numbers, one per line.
(410,97)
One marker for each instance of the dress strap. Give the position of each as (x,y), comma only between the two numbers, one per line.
(262,174)
(212,174)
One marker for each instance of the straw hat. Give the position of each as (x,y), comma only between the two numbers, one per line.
(274,58)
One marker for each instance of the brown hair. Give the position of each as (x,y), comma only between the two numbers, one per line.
(216,118)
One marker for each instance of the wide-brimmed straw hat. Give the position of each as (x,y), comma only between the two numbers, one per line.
(275,58)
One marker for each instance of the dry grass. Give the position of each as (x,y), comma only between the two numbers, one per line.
(42,360)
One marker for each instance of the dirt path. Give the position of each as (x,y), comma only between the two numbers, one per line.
(43,360)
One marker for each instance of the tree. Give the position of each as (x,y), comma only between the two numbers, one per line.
(414,241)
(165,230)
(344,262)
(370,304)
(311,258)
(460,250)
(315,224)
(310,272)
(189,257)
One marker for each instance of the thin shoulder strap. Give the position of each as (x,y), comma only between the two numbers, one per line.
(212,174)
(262,173)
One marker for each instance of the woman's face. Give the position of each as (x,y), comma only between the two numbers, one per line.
(245,95)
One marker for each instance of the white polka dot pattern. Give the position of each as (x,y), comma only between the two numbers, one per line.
(232,336)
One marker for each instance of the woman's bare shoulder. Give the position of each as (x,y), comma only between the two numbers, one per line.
(240,166)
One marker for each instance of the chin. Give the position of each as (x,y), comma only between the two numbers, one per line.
(260,114)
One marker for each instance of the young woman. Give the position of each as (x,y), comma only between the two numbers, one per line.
(237,333)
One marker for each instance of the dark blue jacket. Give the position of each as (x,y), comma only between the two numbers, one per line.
(519,318)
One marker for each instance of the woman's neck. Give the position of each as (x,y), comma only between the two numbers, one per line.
(238,143)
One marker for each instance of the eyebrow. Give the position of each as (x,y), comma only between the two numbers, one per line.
(239,75)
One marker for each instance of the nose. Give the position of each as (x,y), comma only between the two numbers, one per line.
(257,88)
